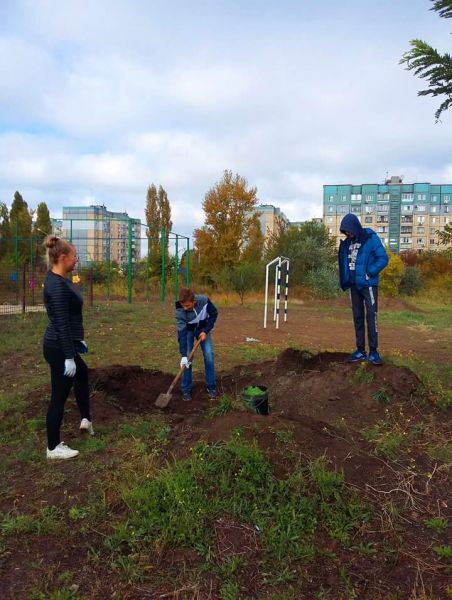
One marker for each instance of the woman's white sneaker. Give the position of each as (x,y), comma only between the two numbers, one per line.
(61,452)
(87,426)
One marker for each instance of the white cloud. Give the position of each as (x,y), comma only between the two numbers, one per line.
(101,99)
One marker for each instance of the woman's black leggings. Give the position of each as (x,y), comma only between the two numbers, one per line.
(61,386)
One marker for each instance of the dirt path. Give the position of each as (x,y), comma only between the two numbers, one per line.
(328,327)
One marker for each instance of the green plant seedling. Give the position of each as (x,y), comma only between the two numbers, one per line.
(382,397)
(444,552)
(438,524)
(362,375)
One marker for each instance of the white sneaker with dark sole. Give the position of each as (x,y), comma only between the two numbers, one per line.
(87,426)
(61,452)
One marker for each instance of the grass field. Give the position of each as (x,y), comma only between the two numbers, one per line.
(213,502)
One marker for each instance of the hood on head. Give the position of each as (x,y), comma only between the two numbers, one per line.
(351,223)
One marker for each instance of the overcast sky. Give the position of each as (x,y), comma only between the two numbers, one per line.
(101,98)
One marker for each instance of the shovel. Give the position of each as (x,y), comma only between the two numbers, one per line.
(164,399)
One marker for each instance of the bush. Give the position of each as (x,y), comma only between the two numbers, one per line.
(392,275)
(411,281)
(324,282)
(243,278)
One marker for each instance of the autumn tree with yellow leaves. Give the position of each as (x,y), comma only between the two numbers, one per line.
(231,233)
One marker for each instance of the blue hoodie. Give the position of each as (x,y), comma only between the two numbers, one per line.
(371,259)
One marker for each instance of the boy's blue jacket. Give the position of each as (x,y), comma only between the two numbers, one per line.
(371,259)
(201,318)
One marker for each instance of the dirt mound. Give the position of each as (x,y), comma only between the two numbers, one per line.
(313,399)
(324,388)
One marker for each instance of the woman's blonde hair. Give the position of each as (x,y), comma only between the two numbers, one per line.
(55,248)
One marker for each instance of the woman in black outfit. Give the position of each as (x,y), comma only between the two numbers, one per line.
(63,344)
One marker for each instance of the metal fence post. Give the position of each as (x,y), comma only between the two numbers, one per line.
(24,287)
(163,244)
(187,264)
(129,273)
(176,269)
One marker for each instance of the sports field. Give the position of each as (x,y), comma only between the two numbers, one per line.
(342,491)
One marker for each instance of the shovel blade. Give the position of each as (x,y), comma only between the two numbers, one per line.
(163,400)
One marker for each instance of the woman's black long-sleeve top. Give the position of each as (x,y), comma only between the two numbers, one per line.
(64,306)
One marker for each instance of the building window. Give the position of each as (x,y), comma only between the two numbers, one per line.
(433,220)
(383,208)
(420,241)
(369,198)
(434,198)
(421,230)
(407,196)
(343,209)
(331,209)
(446,199)
(420,207)
(330,230)
(433,209)
(432,241)
(330,219)
(384,241)
(446,209)
(407,208)
(446,220)
(368,220)
(422,196)
(344,198)
(421,220)
(406,240)
(331,198)
(369,209)
(405,229)
(356,210)
(381,229)
(356,197)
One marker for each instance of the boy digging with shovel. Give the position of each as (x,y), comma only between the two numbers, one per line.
(195,318)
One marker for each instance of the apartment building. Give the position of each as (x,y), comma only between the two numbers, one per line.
(269,216)
(405,216)
(100,234)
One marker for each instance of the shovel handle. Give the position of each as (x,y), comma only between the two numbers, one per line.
(181,370)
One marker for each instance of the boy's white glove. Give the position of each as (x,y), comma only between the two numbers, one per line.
(69,367)
(184,362)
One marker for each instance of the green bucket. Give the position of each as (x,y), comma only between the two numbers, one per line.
(255,398)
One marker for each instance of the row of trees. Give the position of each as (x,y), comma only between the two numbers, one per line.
(17,223)
(231,250)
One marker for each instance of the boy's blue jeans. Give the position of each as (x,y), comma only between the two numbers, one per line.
(209,364)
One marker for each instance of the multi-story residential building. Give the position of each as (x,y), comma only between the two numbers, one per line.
(317,220)
(405,216)
(269,216)
(57,227)
(100,234)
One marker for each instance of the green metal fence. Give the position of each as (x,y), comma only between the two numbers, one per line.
(118,261)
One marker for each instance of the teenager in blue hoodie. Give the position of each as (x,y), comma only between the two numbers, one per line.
(361,258)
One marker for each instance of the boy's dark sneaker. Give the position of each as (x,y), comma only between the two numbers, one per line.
(186,397)
(375,358)
(212,393)
(357,356)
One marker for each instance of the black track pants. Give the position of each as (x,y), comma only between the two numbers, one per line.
(61,386)
(365,301)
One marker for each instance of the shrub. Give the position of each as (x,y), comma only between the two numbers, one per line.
(392,275)
(243,278)
(324,282)
(411,281)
